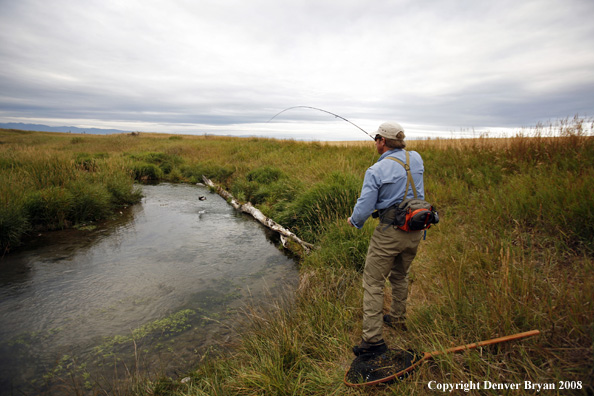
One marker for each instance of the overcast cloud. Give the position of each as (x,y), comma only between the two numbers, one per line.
(226,67)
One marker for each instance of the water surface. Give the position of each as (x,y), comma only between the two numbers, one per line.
(149,290)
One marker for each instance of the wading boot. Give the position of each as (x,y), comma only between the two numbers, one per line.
(368,348)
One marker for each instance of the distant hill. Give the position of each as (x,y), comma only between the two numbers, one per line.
(71,129)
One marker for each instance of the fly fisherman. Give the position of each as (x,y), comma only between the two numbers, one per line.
(391,250)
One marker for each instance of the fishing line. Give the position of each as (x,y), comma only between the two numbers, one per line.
(325,111)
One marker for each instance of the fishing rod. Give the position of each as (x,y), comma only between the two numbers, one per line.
(325,111)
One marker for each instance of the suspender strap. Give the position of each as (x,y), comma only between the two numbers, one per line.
(409,178)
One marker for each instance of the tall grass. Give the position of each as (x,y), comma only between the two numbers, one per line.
(513,252)
(46,189)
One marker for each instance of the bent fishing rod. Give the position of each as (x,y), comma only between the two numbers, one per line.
(325,111)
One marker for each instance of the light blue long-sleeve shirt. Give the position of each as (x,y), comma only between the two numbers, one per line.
(384,184)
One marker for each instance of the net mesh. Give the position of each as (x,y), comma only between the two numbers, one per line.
(368,368)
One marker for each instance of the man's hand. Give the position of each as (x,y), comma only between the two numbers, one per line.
(349,221)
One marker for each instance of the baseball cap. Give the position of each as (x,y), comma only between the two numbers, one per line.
(391,130)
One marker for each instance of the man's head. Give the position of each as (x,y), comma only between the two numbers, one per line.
(390,135)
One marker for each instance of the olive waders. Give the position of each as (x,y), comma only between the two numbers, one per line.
(391,252)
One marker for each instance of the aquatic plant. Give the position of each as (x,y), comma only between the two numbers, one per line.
(174,323)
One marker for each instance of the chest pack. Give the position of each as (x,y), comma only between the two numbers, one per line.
(412,214)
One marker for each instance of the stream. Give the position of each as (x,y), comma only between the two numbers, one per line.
(144,294)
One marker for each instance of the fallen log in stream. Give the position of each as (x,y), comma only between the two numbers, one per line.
(256,214)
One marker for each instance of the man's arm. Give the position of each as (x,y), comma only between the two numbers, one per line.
(366,202)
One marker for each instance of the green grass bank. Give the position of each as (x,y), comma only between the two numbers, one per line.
(513,251)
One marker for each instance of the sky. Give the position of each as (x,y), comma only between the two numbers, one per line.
(440,68)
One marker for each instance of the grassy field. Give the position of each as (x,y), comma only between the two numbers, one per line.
(513,251)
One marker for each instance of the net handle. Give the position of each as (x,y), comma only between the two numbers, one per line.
(429,355)
(486,342)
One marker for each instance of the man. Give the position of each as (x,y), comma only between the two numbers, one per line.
(391,250)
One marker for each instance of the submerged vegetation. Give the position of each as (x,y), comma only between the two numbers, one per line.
(513,251)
